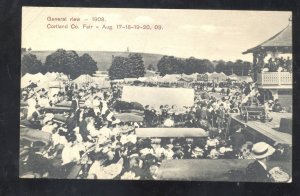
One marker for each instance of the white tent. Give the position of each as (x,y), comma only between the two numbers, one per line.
(26,80)
(101,82)
(245,79)
(56,76)
(190,77)
(130,79)
(153,79)
(170,78)
(38,79)
(233,77)
(83,79)
(217,76)
(142,79)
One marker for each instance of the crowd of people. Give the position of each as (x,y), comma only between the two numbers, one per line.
(278,64)
(92,143)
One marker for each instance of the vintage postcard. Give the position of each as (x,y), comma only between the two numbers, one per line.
(156,94)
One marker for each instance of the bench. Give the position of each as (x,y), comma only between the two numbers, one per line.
(253,112)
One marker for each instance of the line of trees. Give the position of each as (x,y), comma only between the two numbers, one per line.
(239,67)
(127,67)
(173,65)
(62,61)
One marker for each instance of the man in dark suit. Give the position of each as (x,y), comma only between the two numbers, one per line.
(237,139)
(257,171)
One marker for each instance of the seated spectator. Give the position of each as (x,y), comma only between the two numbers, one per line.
(277,106)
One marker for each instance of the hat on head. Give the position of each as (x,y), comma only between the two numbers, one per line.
(262,150)
(47,119)
(197,150)
(146,151)
(169,146)
(133,155)
(117,121)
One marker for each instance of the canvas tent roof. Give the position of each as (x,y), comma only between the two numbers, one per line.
(245,79)
(101,82)
(56,76)
(83,79)
(191,77)
(153,79)
(215,75)
(39,79)
(282,41)
(233,77)
(170,78)
(142,79)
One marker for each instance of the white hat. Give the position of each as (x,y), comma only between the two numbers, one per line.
(134,155)
(47,119)
(197,151)
(24,93)
(146,151)
(132,138)
(222,150)
(262,150)
(117,121)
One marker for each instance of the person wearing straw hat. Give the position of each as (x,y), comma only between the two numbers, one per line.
(257,171)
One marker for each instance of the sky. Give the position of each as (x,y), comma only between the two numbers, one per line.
(210,34)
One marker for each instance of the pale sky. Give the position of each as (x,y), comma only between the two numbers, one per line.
(211,34)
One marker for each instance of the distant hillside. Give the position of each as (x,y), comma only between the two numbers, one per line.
(104,59)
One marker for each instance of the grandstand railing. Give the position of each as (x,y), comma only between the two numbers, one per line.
(275,78)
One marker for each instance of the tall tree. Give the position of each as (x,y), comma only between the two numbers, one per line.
(220,66)
(170,65)
(192,65)
(164,66)
(87,64)
(207,66)
(229,67)
(63,61)
(30,64)
(137,67)
(118,68)
(238,67)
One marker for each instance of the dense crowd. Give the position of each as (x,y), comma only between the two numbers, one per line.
(93,143)
(278,64)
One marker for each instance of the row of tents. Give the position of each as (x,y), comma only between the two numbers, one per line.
(56,80)
(43,80)
(172,78)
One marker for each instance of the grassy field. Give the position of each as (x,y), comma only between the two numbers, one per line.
(104,58)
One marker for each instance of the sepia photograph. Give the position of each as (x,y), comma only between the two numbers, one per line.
(156,94)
